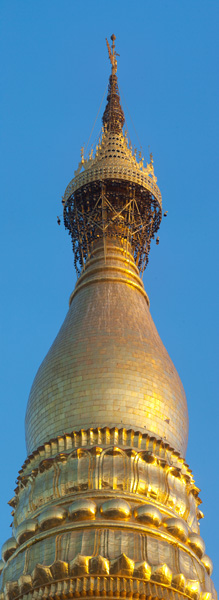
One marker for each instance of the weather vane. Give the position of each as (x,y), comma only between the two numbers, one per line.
(112,54)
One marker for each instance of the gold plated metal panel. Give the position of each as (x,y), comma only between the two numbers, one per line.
(82,509)
(115,509)
(113,563)
(107,366)
(148,513)
(108,469)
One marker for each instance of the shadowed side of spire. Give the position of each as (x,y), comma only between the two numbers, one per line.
(113,117)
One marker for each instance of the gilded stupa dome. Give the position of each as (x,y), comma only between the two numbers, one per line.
(108,366)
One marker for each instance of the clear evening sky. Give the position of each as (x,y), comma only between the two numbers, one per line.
(54,73)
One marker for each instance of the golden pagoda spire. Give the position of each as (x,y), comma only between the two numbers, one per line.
(113,118)
(112,193)
(105,504)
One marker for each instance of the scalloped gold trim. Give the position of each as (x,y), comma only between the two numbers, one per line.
(106,436)
(103,585)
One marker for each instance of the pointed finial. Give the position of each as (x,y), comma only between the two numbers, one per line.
(112,54)
(113,117)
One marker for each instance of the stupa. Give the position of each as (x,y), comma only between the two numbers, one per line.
(105,504)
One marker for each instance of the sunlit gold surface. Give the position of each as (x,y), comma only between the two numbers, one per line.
(197,544)
(115,509)
(148,514)
(90,519)
(82,509)
(114,159)
(108,365)
(116,460)
(208,564)
(177,527)
(51,517)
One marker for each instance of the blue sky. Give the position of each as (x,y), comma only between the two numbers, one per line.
(54,72)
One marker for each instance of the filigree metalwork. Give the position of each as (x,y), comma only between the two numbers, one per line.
(112,209)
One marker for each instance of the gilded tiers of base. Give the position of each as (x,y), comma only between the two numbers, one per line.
(110,460)
(105,507)
(106,436)
(97,577)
